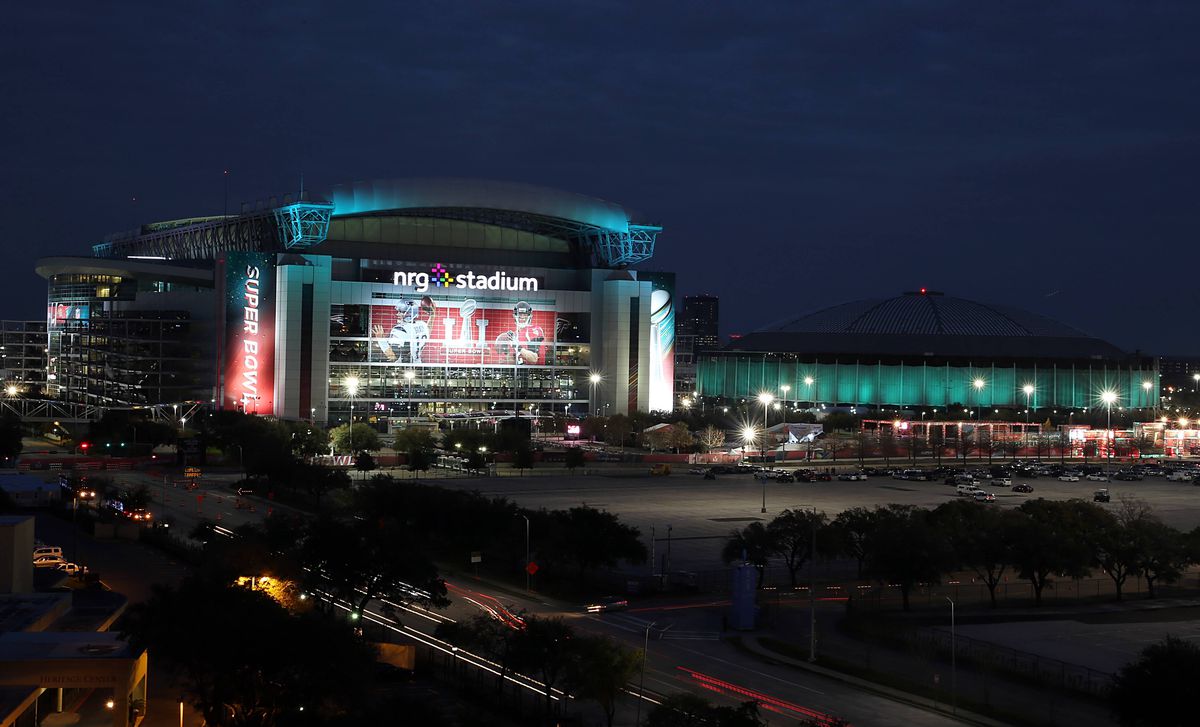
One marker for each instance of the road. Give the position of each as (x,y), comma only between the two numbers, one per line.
(681,657)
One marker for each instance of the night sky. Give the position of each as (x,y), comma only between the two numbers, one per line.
(799,154)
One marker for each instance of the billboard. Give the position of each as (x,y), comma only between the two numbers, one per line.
(418,330)
(662,340)
(248,369)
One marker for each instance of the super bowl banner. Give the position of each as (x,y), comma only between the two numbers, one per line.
(420,330)
(662,340)
(248,382)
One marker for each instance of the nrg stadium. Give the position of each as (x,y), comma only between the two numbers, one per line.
(413,298)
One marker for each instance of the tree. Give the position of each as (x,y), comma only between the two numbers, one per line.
(318,481)
(1046,542)
(794,534)
(692,710)
(601,671)
(523,458)
(1112,545)
(678,437)
(657,438)
(364,439)
(902,548)
(592,539)
(752,544)
(848,534)
(1161,551)
(243,661)
(364,462)
(573,458)
(618,429)
(487,636)
(545,648)
(363,560)
(307,440)
(981,538)
(10,438)
(1156,689)
(712,438)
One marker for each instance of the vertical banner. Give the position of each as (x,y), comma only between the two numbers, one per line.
(249,365)
(662,340)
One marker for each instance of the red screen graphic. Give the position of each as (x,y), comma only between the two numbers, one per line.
(420,330)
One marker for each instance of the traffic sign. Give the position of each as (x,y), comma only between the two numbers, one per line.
(191,472)
(532,568)
(476,556)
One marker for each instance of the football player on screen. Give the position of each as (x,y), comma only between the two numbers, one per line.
(524,345)
(406,340)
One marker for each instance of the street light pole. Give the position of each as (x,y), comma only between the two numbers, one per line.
(526,551)
(1028,389)
(594,378)
(642,680)
(766,399)
(352,389)
(979,384)
(953,659)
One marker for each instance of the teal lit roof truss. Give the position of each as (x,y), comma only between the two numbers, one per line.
(303,224)
(616,248)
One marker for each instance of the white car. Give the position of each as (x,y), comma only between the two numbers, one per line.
(49,561)
(982,496)
(1097,478)
(72,569)
(1001,482)
(1068,478)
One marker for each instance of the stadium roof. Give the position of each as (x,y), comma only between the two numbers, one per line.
(481,194)
(930,325)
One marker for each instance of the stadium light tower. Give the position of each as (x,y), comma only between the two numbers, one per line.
(1028,389)
(808,382)
(978,384)
(1108,396)
(765,398)
(351,384)
(594,378)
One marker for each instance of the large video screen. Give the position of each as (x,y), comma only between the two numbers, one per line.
(421,330)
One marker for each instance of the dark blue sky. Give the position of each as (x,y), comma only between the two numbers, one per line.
(799,154)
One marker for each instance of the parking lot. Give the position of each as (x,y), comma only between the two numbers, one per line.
(700,513)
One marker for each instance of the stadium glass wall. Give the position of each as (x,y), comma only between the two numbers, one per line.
(1067,385)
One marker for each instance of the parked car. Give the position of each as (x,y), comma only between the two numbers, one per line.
(784,477)
(1097,477)
(1001,482)
(1068,478)
(1101,496)
(851,476)
(982,496)
(72,569)
(1127,476)
(49,561)
(1022,488)
(697,471)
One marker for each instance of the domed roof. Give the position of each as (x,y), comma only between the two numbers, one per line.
(927,324)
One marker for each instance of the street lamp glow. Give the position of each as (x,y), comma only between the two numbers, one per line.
(685,402)
(785,389)
(1183,421)
(409,375)
(808,381)
(351,384)
(1108,396)
(978,384)
(1028,389)
(10,390)
(594,378)
(766,398)
(749,434)
(1146,385)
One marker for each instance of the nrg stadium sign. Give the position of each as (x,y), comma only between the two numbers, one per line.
(439,277)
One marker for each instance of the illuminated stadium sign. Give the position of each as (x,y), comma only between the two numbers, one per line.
(439,277)
(249,368)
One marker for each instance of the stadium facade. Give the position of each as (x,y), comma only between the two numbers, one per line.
(926,350)
(435,298)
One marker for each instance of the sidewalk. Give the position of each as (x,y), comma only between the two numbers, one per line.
(1014,701)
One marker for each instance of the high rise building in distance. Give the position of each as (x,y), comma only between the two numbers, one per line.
(702,314)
